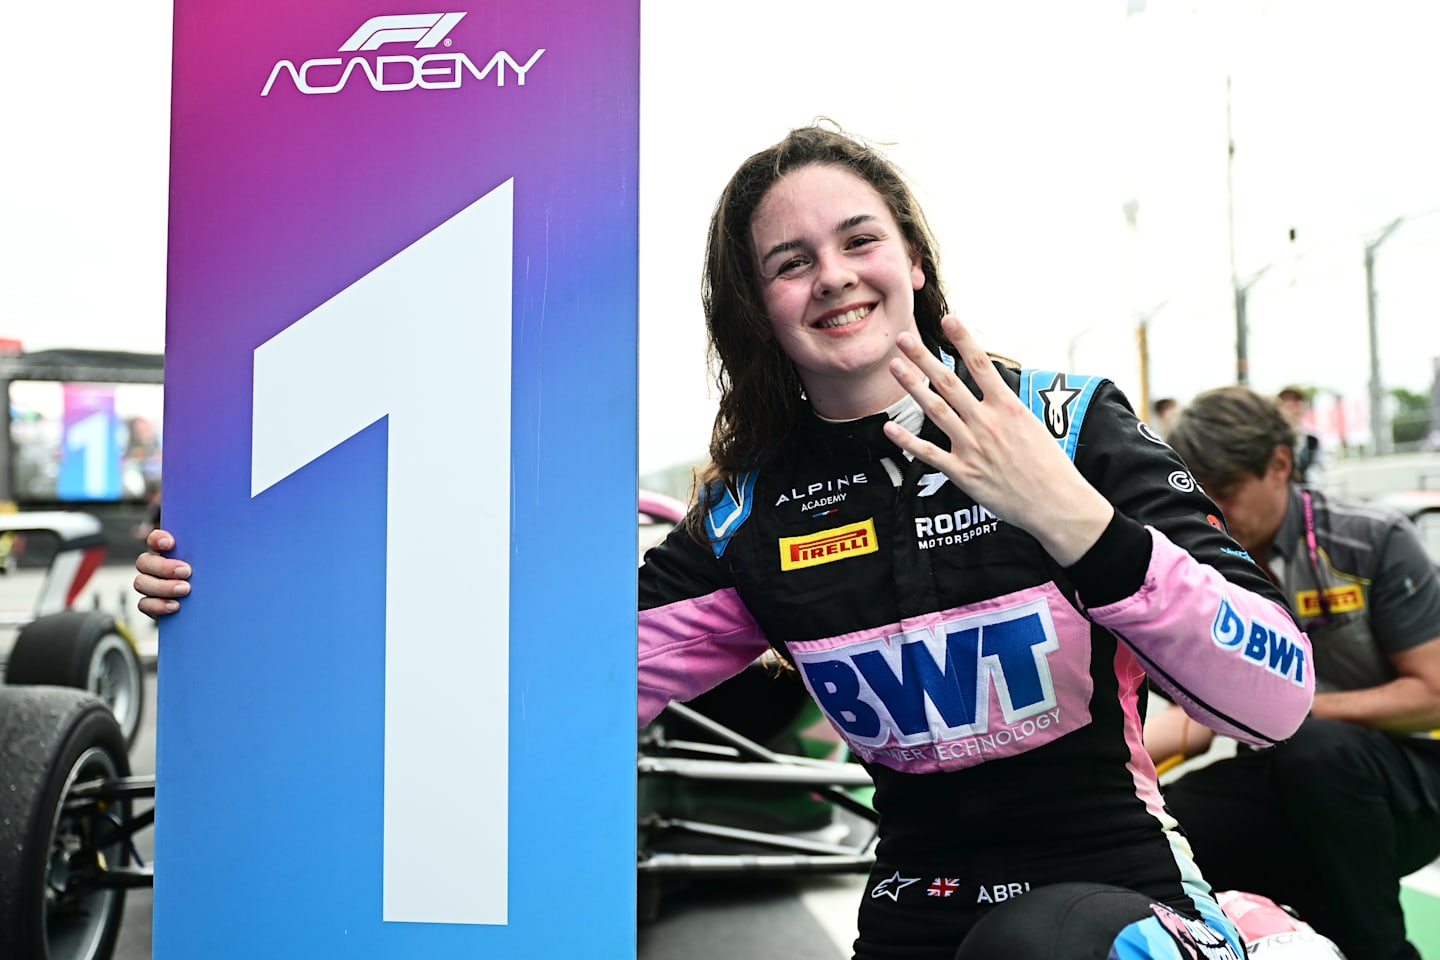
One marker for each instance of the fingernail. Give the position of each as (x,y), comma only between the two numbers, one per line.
(171,606)
(182,589)
(166,543)
(183,571)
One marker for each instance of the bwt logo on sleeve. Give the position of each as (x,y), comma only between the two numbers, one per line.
(1258,643)
(391,72)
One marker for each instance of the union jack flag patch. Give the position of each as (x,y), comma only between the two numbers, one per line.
(943,887)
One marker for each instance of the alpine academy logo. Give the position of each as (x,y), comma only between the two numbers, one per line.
(827,546)
(399,71)
(820,494)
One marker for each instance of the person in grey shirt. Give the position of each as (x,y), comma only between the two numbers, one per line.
(1330,820)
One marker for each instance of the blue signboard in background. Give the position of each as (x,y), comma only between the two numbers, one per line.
(89,444)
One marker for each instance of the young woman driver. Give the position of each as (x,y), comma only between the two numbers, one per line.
(972,567)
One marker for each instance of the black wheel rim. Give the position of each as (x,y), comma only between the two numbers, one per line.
(77,912)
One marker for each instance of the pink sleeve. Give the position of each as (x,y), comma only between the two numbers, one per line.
(689,646)
(1234,660)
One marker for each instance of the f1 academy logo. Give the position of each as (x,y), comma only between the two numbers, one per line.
(397,71)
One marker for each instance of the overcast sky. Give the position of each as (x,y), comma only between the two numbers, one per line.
(1026,127)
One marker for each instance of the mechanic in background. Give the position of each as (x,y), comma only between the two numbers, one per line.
(1165,410)
(971,580)
(1294,406)
(1329,821)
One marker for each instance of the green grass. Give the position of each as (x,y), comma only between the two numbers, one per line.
(1422,921)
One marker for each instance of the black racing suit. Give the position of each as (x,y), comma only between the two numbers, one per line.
(994,697)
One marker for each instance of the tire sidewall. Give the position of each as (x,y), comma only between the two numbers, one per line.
(53,727)
(61,649)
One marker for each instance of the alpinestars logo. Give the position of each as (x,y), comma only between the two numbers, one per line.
(392,72)
(891,886)
(1058,397)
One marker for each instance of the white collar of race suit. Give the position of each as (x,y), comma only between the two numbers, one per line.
(905,411)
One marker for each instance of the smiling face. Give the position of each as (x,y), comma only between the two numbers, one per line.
(837,280)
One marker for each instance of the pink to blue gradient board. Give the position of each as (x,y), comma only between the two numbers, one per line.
(396,717)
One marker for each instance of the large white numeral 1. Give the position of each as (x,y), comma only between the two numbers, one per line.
(425,340)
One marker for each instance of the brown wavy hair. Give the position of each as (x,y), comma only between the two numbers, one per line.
(762,401)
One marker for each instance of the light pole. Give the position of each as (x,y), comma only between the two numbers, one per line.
(1242,331)
(1242,290)
(1142,337)
(1131,209)
(1242,323)
(1380,439)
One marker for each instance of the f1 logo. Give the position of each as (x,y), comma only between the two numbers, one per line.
(426,29)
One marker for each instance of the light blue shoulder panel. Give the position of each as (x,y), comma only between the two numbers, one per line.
(1060,401)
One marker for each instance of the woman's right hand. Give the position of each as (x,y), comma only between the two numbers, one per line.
(162,580)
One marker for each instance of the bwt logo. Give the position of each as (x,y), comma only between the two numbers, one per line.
(923,685)
(391,72)
(1259,644)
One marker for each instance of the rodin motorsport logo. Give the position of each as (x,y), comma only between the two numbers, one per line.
(400,71)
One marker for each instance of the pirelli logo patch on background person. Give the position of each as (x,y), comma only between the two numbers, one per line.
(827,546)
(1344,599)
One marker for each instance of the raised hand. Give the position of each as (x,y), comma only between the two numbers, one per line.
(999,452)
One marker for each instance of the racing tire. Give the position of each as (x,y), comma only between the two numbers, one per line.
(88,650)
(52,738)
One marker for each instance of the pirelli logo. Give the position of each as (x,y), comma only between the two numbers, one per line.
(1346,599)
(827,546)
